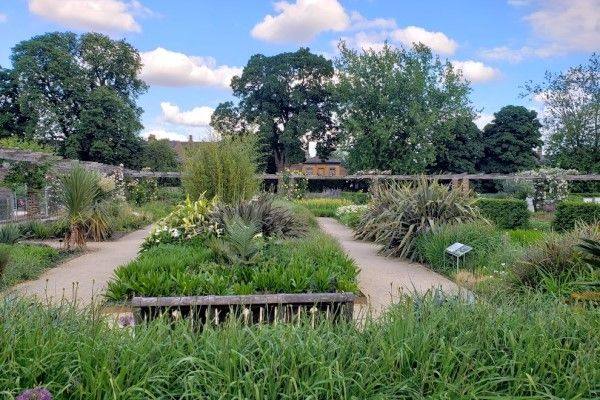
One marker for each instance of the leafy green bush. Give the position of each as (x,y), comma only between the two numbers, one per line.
(568,213)
(273,219)
(350,215)
(14,142)
(311,264)
(323,206)
(525,237)
(9,233)
(225,169)
(505,213)
(491,250)
(399,213)
(558,264)
(26,262)
(528,348)
(357,197)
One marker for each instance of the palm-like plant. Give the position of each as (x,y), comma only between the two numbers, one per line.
(79,194)
(399,213)
(241,243)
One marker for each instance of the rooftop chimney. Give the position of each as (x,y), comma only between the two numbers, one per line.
(190,139)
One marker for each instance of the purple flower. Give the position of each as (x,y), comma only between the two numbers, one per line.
(38,393)
(126,320)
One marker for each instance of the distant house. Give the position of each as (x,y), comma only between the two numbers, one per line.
(315,166)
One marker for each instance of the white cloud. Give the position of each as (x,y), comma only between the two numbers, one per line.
(3,18)
(98,15)
(160,133)
(559,27)
(302,21)
(365,40)
(437,41)
(359,22)
(476,71)
(483,119)
(197,116)
(168,68)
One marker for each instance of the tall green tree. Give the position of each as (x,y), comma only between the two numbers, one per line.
(228,121)
(160,156)
(65,81)
(289,99)
(12,121)
(572,115)
(511,141)
(461,150)
(396,105)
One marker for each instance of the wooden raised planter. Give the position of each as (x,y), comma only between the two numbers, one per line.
(267,308)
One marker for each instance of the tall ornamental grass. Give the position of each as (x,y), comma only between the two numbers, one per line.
(526,348)
(225,169)
(399,213)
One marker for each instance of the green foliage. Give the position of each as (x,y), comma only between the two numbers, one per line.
(491,251)
(27,174)
(519,189)
(241,243)
(351,215)
(9,233)
(356,197)
(227,120)
(505,213)
(510,141)
(568,213)
(525,237)
(160,156)
(274,220)
(323,206)
(79,193)
(288,98)
(225,170)
(461,150)
(592,249)
(26,262)
(78,93)
(557,264)
(141,191)
(14,142)
(570,101)
(44,230)
(314,263)
(396,106)
(399,213)
(188,220)
(4,259)
(528,348)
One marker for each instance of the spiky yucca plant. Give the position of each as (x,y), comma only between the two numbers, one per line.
(240,244)
(273,219)
(399,213)
(79,192)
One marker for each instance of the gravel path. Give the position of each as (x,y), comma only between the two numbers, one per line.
(84,278)
(383,279)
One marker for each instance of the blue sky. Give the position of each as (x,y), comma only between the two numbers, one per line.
(191,48)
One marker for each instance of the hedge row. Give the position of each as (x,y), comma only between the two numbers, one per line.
(568,213)
(505,213)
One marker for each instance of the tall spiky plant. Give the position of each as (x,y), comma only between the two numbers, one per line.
(79,193)
(399,213)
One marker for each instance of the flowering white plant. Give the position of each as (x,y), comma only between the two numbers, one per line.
(351,209)
(549,185)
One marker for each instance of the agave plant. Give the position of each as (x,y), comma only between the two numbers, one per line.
(273,219)
(399,213)
(79,194)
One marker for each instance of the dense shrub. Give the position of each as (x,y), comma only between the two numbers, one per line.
(356,197)
(557,263)
(399,213)
(272,219)
(225,169)
(9,233)
(568,213)
(26,262)
(505,213)
(530,348)
(311,264)
(491,250)
(323,206)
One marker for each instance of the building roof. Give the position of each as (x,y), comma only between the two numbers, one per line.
(319,160)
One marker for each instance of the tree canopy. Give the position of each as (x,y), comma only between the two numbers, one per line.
(65,84)
(396,106)
(571,115)
(160,156)
(288,99)
(510,141)
(462,148)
